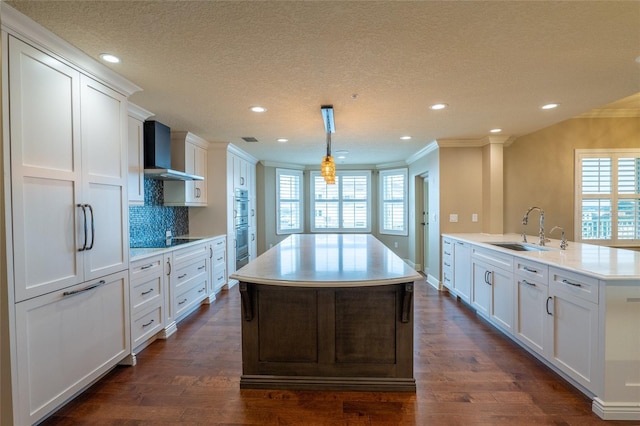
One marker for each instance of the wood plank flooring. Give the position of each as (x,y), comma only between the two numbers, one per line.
(466,373)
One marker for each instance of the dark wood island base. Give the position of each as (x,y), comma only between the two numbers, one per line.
(327,338)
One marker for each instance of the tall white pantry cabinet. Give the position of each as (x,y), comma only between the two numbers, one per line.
(65,297)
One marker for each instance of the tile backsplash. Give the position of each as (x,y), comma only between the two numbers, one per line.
(150,222)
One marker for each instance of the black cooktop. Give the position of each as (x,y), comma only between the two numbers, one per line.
(169,242)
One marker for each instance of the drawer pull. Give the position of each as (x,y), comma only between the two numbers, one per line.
(201,290)
(182,302)
(147,266)
(526,268)
(547,305)
(182,276)
(220,243)
(147,324)
(447,265)
(573,284)
(91,287)
(219,259)
(201,268)
(447,253)
(144,293)
(528,283)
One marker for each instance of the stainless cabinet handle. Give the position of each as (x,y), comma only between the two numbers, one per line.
(447,253)
(182,302)
(144,293)
(147,266)
(210,252)
(91,287)
(182,276)
(201,290)
(528,283)
(446,264)
(93,227)
(169,265)
(201,268)
(147,324)
(219,259)
(526,268)
(241,180)
(253,212)
(548,298)
(84,215)
(253,237)
(570,283)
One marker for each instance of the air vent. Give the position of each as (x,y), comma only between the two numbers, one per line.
(249,139)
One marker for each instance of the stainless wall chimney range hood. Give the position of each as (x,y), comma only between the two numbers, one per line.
(157,154)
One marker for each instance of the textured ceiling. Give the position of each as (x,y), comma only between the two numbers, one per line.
(202,64)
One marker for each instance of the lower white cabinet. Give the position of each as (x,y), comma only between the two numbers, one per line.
(218,264)
(189,279)
(67,339)
(492,286)
(573,314)
(530,299)
(462,270)
(147,298)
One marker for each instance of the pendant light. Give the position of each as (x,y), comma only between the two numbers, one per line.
(328,166)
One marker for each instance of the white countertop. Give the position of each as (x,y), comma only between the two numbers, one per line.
(328,260)
(599,261)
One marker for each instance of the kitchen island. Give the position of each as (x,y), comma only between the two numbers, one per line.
(327,312)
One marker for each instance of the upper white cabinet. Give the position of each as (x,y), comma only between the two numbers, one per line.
(189,154)
(68,161)
(136,119)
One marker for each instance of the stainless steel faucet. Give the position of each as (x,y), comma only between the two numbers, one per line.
(563,242)
(541,238)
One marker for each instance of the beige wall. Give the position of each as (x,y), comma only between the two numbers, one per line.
(539,168)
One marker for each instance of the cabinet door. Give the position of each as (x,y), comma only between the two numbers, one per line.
(44,104)
(574,326)
(481,291)
(200,169)
(136,161)
(66,340)
(502,298)
(104,154)
(531,317)
(462,270)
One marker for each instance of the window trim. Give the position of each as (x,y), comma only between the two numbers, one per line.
(312,202)
(614,197)
(405,201)
(300,175)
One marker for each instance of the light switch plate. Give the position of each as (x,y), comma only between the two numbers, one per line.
(474,217)
(453,217)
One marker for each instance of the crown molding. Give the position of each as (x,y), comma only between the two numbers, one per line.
(611,113)
(423,152)
(138,112)
(277,165)
(393,165)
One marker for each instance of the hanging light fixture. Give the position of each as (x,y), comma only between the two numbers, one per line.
(328,166)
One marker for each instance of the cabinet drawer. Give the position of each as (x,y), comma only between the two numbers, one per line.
(192,296)
(143,267)
(146,292)
(447,278)
(191,252)
(218,257)
(493,257)
(188,272)
(531,270)
(145,324)
(219,280)
(447,252)
(219,243)
(574,284)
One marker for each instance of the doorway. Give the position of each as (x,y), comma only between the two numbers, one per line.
(425,223)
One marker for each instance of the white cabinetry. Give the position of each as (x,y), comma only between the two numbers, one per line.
(573,314)
(188,153)
(229,169)
(218,264)
(462,270)
(68,162)
(137,116)
(531,319)
(189,279)
(66,339)
(147,298)
(447,263)
(492,286)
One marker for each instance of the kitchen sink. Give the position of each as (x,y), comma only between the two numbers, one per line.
(520,246)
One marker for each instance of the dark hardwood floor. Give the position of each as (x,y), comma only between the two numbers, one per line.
(466,373)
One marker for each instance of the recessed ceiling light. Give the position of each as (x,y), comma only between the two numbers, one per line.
(108,57)
(438,106)
(405,138)
(257,109)
(341,154)
(282,140)
(549,106)
(495,130)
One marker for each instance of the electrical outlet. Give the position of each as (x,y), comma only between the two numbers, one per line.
(169,234)
(453,217)
(395,244)
(474,217)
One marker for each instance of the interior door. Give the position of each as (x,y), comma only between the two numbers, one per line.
(425,224)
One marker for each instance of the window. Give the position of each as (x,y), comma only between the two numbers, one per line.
(608,196)
(393,202)
(289,201)
(344,206)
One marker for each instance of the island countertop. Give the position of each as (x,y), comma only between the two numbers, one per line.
(599,261)
(328,260)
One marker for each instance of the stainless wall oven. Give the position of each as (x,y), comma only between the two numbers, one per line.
(241,222)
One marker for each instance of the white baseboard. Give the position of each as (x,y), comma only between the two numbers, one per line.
(616,410)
